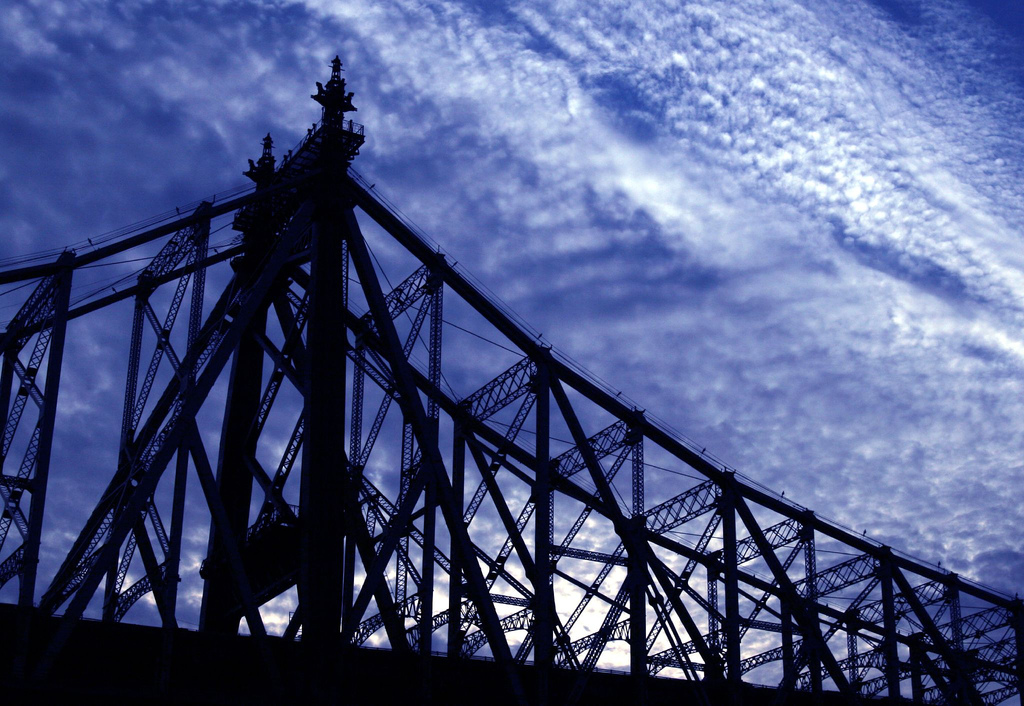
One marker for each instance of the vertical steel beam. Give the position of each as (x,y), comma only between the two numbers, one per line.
(1017,623)
(426,592)
(355,469)
(788,665)
(24,625)
(324,465)
(955,617)
(134,356)
(27,587)
(727,511)
(638,577)
(402,556)
(916,677)
(543,607)
(234,480)
(853,672)
(358,386)
(638,471)
(39,479)
(714,629)
(127,431)
(351,485)
(6,382)
(455,634)
(961,681)
(436,285)
(811,582)
(889,644)
(173,560)
(351,474)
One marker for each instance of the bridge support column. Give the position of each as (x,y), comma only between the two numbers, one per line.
(889,646)
(6,383)
(789,672)
(544,607)
(426,597)
(638,614)
(727,510)
(811,575)
(1018,635)
(324,463)
(916,678)
(638,578)
(41,472)
(455,634)
(234,481)
(426,592)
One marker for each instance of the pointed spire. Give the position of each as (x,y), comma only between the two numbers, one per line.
(262,170)
(337,139)
(335,101)
(335,70)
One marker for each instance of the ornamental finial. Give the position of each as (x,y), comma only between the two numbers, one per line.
(261,170)
(335,101)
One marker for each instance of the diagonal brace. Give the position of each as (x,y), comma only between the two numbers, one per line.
(808,622)
(412,408)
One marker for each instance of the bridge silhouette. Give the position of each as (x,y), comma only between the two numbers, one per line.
(498,544)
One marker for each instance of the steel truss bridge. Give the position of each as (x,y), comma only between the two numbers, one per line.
(284,393)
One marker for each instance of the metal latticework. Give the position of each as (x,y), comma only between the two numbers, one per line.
(510,520)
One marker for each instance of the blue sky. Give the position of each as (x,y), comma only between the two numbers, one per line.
(792,230)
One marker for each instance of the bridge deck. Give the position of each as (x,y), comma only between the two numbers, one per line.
(109,661)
